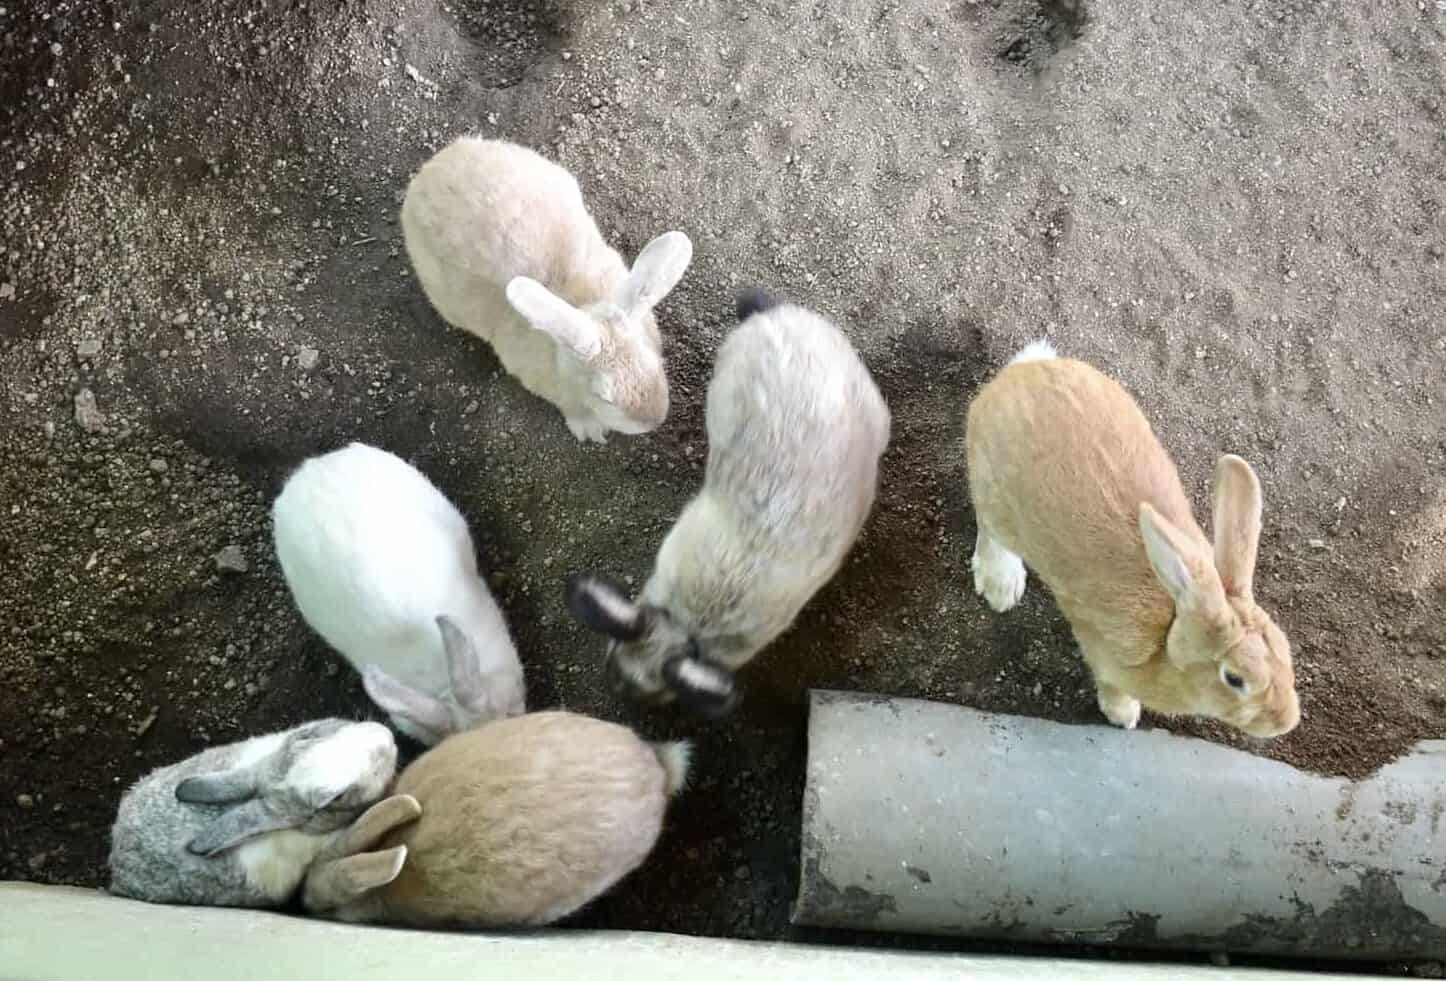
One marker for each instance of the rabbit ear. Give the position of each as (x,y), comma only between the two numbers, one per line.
(555,317)
(1186,574)
(655,272)
(601,605)
(221,787)
(462,667)
(1237,524)
(336,883)
(421,716)
(702,685)
(374,823)
(238,824)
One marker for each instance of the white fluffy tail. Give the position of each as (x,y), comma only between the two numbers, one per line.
(1040,350)
(676,758)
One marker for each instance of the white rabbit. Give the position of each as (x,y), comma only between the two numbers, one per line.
(239,825)
(381,566)
(504,248)
(796,427)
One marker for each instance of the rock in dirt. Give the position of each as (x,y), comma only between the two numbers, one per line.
(231,559)
(87,415)
(307,358)
(88,348)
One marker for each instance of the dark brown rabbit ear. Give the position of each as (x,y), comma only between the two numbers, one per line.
(600,604)
(701,685)
(1237,510)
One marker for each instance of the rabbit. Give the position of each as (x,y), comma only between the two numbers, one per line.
(381,565)
(505,248)
(796,427)
(1067,476)
(521,823)
(238,825)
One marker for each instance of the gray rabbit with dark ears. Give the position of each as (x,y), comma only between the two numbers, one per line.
(239,825)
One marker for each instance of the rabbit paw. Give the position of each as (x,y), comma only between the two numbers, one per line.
(998,577)
(587,429)
(1119,708)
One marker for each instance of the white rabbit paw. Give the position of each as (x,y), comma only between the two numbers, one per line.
(998,577)
(587,429)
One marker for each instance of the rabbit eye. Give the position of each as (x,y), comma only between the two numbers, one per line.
(1234,680)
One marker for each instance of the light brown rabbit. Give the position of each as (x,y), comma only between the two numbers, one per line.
(1067,476)
(523,821)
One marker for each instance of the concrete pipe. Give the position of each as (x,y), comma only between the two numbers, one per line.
(929,818)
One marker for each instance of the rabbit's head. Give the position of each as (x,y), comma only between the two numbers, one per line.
(316,781)
(1234,663)
(473,697)
(651,656)
(347,869)
(615,340)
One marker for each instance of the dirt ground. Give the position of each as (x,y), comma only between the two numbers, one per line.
(1238,208)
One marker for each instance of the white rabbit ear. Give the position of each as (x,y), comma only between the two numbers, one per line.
(555,317)
(237,825)
(421,716)
(1237,524)
(655,272)
(1186,574)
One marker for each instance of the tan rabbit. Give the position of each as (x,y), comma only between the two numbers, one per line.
(504,247)
(1067,476)
(523,821)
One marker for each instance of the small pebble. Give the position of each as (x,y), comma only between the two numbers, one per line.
(7,291)
(24,801)
(231,559)
(87,415)
(307,358)
(159,465)
(88,348)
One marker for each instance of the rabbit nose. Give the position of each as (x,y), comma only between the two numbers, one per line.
(621,684)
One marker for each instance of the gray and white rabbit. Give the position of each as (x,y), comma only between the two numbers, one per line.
(239,825)
(381,565)
(796,427)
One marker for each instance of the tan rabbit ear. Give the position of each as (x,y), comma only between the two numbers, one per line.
(345,880)
(1179,563)
(1237,524)
(383,816)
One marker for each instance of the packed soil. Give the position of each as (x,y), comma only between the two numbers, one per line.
(1237,208)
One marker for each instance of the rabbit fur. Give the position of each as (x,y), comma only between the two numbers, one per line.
(238,825)
(381,565)
(517,823)
(1067,476)
(505,248)
(796,427)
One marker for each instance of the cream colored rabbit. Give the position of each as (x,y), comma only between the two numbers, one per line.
(522,822)
(1067,476)
(504,248)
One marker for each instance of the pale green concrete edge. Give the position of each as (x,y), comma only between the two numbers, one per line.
(56,933)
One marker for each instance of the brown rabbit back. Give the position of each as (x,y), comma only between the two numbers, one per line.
(1060,457)
(523,821)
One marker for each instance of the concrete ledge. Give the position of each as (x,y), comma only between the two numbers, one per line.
(49,933)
